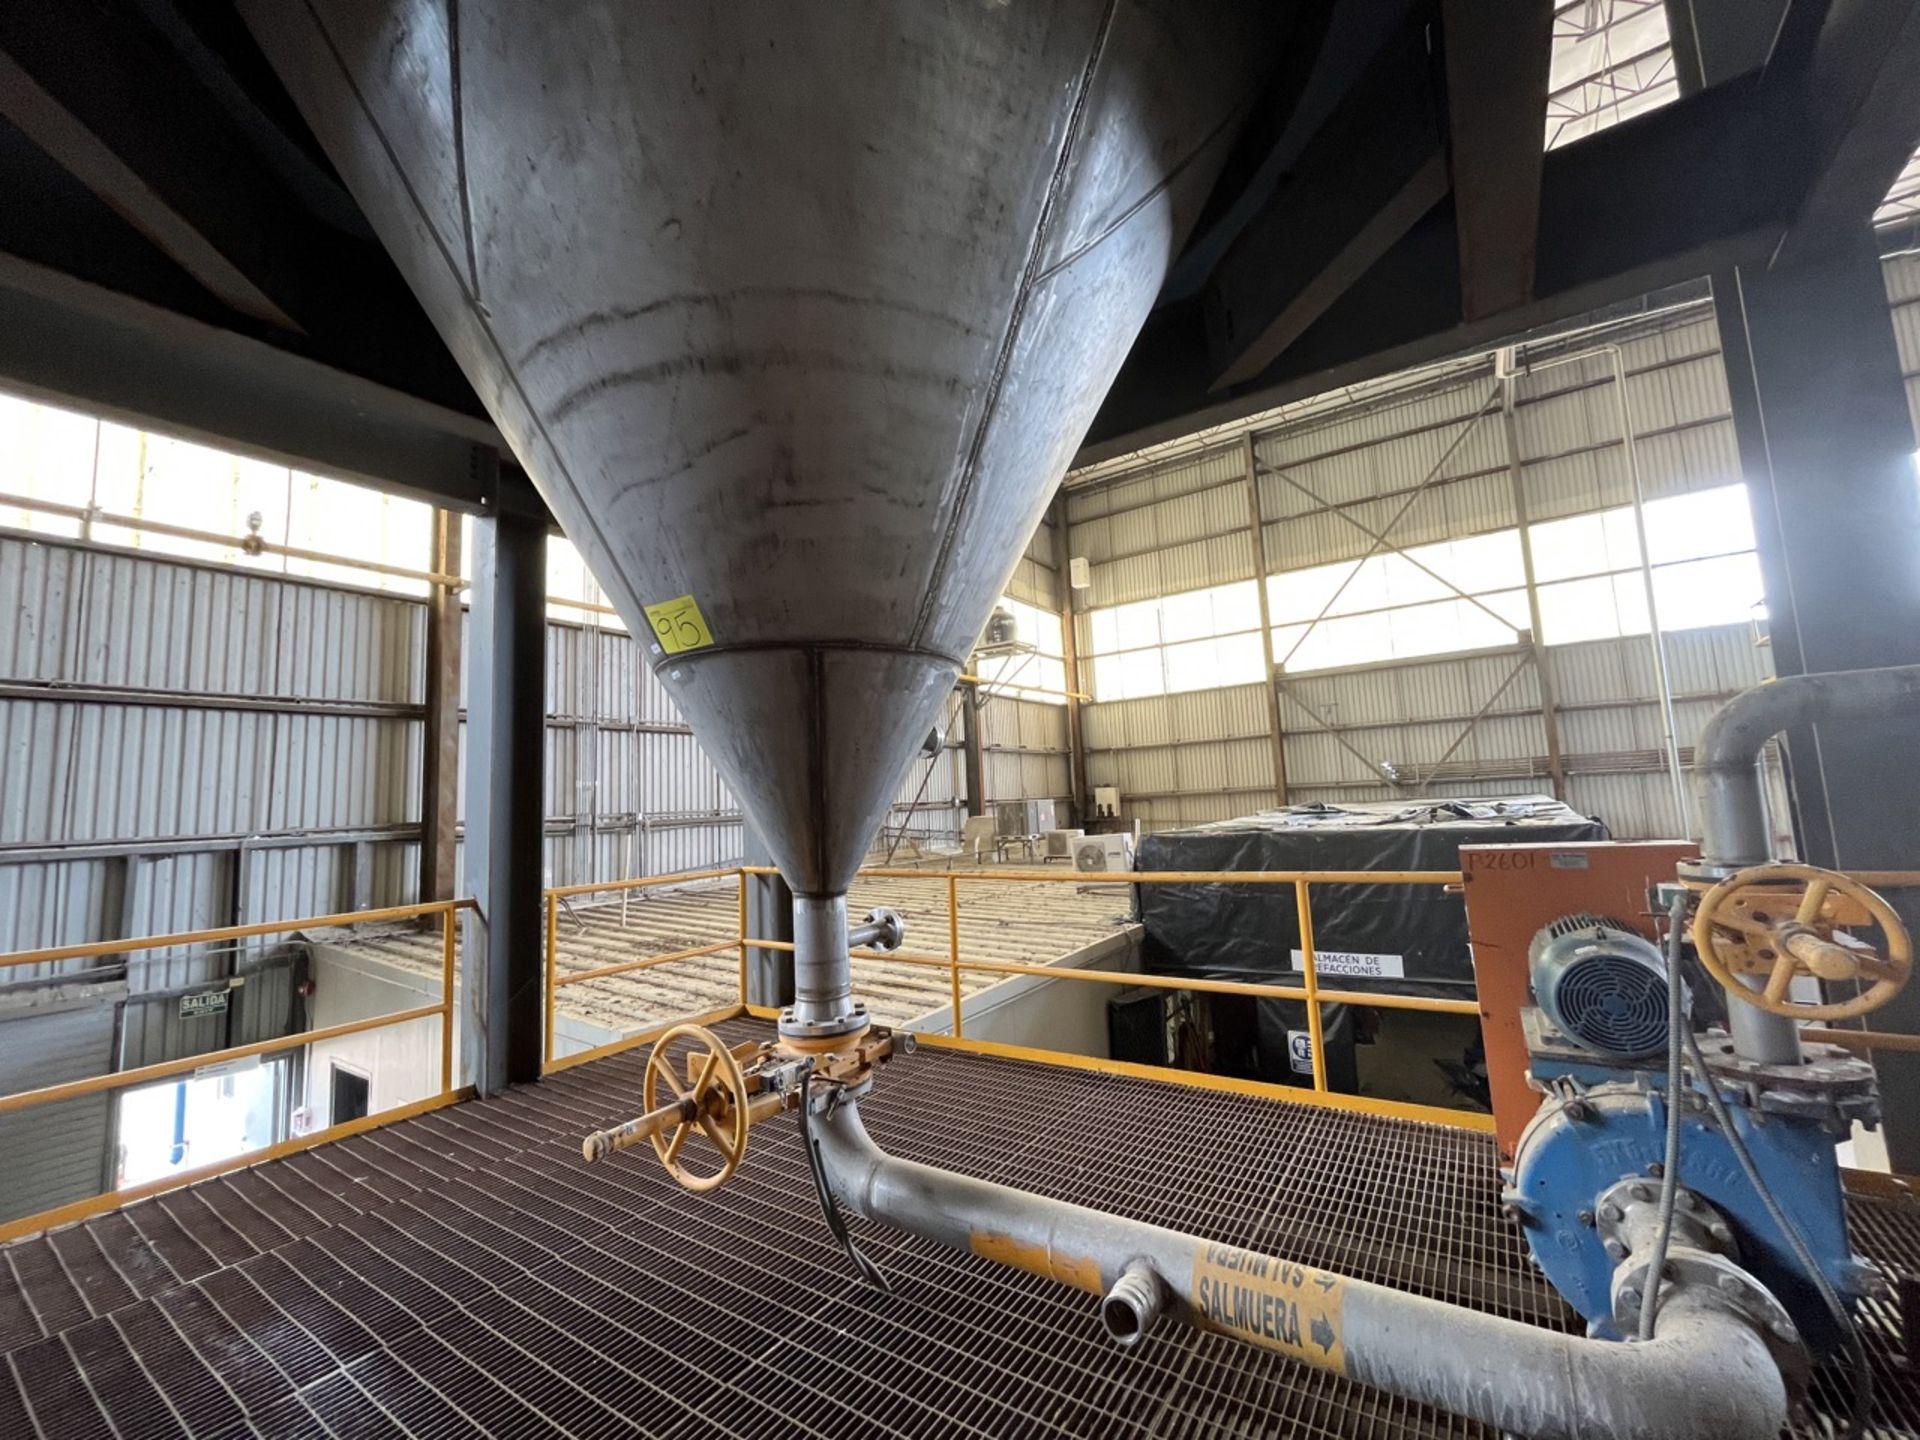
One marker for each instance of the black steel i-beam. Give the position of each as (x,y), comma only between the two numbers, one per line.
(502,967)
(1827,449)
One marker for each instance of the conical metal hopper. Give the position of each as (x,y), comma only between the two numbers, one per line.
(795,313)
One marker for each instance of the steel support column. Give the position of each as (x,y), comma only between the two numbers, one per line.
(769,917)
(1070,658)
(1542,661)
(440,751)
(1257,538)
(972,747)
(1826,444)
(500,1007)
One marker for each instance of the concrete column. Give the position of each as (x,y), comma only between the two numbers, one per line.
(503,963)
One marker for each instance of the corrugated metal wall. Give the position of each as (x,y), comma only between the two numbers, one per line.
(185,747)
(1342,473)
(1024,740)
(1903,293)
(56,1153)
(629,791)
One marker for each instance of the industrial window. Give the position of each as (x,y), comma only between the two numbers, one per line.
(1705,571)
(1610,60)
(1038,673)
(144,490)
(572,592)
(1401,604)
(348,1095)
(1191,641)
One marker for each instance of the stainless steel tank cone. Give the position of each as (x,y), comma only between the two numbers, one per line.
(794,313)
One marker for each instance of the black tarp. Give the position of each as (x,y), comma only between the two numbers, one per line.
(1399,939)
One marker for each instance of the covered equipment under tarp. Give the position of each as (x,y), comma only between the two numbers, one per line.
(1401,939)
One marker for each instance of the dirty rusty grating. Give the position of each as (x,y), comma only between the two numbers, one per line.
(464,1274)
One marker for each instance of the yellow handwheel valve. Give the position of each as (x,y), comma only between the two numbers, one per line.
(714,1101)
(1783,921)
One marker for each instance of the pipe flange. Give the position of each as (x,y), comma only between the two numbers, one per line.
(1830,1086)
(1699,872)
(1626,1216)
(1724,1284)
(889,927)
(845,1024)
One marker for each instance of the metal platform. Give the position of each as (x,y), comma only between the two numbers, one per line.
(463,1273)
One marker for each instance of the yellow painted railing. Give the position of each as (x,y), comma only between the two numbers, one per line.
(1309,991)
(446,910)
(1301,882)
(556,981)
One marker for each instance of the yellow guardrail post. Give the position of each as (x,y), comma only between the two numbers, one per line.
(449,928)
(743,934)
(1303,902)
(553,967)
(953,947)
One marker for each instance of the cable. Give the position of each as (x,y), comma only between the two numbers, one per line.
(1803,1252)
(829,1205)
(1678,1026)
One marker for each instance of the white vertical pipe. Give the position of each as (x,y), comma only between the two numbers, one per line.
(1656,637)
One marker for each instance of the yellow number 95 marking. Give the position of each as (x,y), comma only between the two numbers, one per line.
(678,625)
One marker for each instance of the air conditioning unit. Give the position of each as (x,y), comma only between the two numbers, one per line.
(1060,843)
(1100,854)
(1020,819)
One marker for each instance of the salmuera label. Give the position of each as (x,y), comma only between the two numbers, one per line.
(1277,1304)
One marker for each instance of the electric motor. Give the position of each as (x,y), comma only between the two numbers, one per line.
(1602,985)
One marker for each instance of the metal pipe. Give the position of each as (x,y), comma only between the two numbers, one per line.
(1133,1304)
(1664,679)
(882,930)
(822,974)
(1707,1373)
(1730,790)
(1726,762)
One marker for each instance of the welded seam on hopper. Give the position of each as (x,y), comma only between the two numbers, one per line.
(1003,361)
(737,362)
(870,647)
(562,475)
(816,765)
(1179,167)
(578,329)
(456,105)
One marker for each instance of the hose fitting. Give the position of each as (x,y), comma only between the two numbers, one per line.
(1134,1303)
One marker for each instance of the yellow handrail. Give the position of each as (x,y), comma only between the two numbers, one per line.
(228,932)
(187,1064)
(1156,877)
(651,882)
(443,1009)
(1308,992)
(1303,911)
(622,967)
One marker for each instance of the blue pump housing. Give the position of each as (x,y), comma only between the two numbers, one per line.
(1563,1163)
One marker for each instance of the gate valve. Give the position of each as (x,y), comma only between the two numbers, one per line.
(1783,921)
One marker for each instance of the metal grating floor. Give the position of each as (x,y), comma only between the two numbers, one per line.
(464,1274)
